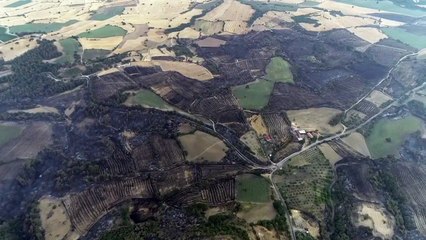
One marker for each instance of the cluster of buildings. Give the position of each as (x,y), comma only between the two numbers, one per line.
(300,134)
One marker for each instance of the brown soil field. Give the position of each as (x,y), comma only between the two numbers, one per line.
(190,70)
(257,123)
(55,220)
(201,146)
(210,42)
(329,153)
(272,20)
(357,142)
(254,212)
(378,98)
(315,119)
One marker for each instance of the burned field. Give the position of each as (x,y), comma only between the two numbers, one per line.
(99,155)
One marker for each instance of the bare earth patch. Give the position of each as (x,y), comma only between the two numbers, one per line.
(254,212)
(187,69)
(329,153)
(357,142)
(201,146)
(210,42)
(312,119)
(54,219)
(257,123)
(378,98)
(38,109)
(376,218)
(304,222)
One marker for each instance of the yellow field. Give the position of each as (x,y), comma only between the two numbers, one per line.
(254,212)
(100,43)
(210,42)
(377,218)
(54,219)
(257,123)
(250,139)
(357,142)
(190,70)
(329,153)
(378,98)
(201,146)
(16,48)
(312,119)
(230,10)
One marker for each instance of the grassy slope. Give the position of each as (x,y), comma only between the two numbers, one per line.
(8,133)
(255,95)
(147,98)
(70,46)
(396,130)
(252,188)
(415,40)
(104,32)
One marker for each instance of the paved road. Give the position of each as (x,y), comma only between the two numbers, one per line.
(281,163)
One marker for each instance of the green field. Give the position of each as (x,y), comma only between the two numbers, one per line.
(18,3)
(278,70)
(415,40)
(107,13)
(104,32)
(147,98)
(255,95)
(70,47)
(395,131)
(93,54)
(253,188)
(39,27)
(388,6)
(4,36)
(8,133)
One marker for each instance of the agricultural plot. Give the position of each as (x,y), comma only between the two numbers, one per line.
(378,98)
(313,119)
(250,139)
(18,3)
(93,54)
(104,32)
(415,40)
(107,13)
(54,220)
(357,142)
(69,48)
(304,183)
(254,212)
(255,95)
(329,153)
(16,48)
(386,6)
(39,27)
(148,99)
(201,146)
(253,188)
(5,35)
(278,70)
(9,132)
(257,123)
(190,70)
(105,43)
(387,135)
